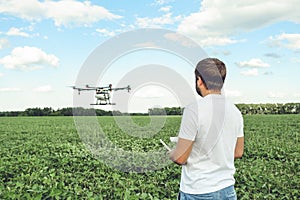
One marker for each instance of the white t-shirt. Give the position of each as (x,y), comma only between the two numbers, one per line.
(214,123)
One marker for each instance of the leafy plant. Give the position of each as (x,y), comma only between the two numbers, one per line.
(44,158)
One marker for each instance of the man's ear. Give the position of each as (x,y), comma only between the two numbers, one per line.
(199,81)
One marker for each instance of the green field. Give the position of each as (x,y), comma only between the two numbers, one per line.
(44,158)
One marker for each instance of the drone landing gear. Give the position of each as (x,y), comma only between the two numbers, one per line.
(98,104)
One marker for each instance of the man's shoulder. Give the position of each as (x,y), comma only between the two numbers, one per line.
(233,111)
(195,105)
(233,107)
(205,104)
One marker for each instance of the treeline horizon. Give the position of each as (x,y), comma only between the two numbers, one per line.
(246,109)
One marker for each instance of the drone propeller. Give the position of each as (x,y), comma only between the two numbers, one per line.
(75,88)
(128,88)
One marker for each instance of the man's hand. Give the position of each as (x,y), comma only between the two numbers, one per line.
(239,148)
(182,151)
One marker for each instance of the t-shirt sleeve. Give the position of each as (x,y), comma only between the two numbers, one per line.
(188,127)
(241,128)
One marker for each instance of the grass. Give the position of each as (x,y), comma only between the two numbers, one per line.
(44,158)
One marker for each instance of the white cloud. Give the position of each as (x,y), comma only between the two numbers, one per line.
(16,32)
(28,58)
(272,55)
(1,74)
(276,95)
(149,92)
(221,52)
(180,39)
(295,60)
(163,2)
(10,89)
(3,43)
(156,22)
(255,62)
(147,45)
(232,93)
(290,41)
(165,9)
(78,13)
(268,73)
(29,9)
(63,12)
(227,18)
(250,72)
(45,88)
(296,94)
(220,41)
(106,32)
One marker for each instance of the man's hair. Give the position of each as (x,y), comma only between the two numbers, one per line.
(212,72)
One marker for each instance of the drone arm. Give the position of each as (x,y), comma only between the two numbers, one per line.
(123,88)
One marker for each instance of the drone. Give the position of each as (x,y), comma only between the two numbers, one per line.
(102,93)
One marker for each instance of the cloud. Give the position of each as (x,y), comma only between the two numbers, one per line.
(296,95)
(1,74)
(272,55)
(165,9)
(157,22)
(289,41)
(221,52)
(10,89)
(16,32)
(226,52)
(3,43)
(106,32)
(28,58)
(219,41)
(162,2)
(227,18)
(149,92)
(147,45)
(255,62)
(276,95)
(180,39)
(232,93)
(250,72)
(268,73)
(45,88)
(63,12)
(29,9)
(295,60)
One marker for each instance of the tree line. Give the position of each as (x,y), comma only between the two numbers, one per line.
(48,111)
(276,108)
(246,109)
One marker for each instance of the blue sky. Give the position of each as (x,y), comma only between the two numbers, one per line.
(43,45)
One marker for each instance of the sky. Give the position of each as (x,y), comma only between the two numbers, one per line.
(44,44)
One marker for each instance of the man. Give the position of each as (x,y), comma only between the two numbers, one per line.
(210,138)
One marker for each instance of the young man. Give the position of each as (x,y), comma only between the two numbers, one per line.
(210,138)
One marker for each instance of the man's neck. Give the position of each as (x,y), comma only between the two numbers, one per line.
(207,92)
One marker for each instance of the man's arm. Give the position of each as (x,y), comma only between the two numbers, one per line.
(239,148)
(182,151)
